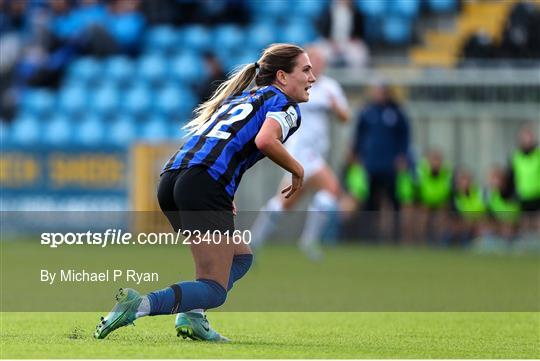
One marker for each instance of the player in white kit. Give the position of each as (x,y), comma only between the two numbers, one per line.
(310,146)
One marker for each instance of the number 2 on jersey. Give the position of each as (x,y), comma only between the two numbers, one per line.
(244,108)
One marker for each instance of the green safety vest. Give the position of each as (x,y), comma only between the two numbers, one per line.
(357,182)
(405,187)
(502,209)
(527,174)
(470,206)
(433,191)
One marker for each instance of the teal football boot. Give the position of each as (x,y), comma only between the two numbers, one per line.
(123,313)
(196,327)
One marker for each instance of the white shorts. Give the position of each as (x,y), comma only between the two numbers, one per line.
(310,159)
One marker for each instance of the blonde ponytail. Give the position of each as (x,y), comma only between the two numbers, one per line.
(237,82)
(275,57)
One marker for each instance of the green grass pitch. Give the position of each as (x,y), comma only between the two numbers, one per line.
(369,279)
(282,335)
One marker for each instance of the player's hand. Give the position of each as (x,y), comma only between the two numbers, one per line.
(233,208)
(296,183)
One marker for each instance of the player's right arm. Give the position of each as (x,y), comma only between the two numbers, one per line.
(268,141)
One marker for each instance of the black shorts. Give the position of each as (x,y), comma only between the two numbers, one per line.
(532,205)
(193,201)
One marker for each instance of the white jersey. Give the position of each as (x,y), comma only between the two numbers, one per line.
(314,131)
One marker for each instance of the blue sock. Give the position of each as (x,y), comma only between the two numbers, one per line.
(202,293)
(240,265)
(185,296)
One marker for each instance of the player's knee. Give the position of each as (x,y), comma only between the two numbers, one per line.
(331,185)
(325,200)
(334,190)
(275,204)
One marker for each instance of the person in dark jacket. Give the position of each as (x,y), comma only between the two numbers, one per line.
(502,203)
(525,177)
(380,142)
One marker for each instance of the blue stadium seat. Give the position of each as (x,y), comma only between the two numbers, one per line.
(26,130)
(261,35)
(119,69)
(88,15)
(85,70)
(58,131)
(275,9)
(298,32)
(196,37)
(161,39)
(152,68)
(442,6)
(404,7)
(137,101)
(241,58)
(174,101)
(228,37)
(39,102)
(122,131)
(397,30)
(311,9)
(176,133)
(126,28)
(4,133)
(72,100)
(187,68)
(90,131)
(155,130)
(104,100)
(372,7)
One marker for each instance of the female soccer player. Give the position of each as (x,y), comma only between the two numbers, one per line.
(230,133)
(310,146)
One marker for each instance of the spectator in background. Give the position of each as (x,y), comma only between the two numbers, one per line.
(97,29)
(434,191)
(380,141)
(342,26)
(92,17)
(521,35)
(61,22)
(12,22)
(223,11)
(125,24)
(165,11)
(46,54)
(356,186)
(470,209)
(501,203)
(216,76)
(356,183)
(209,12)
(526,177)
(12,15)
(406,196)
(478,48)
